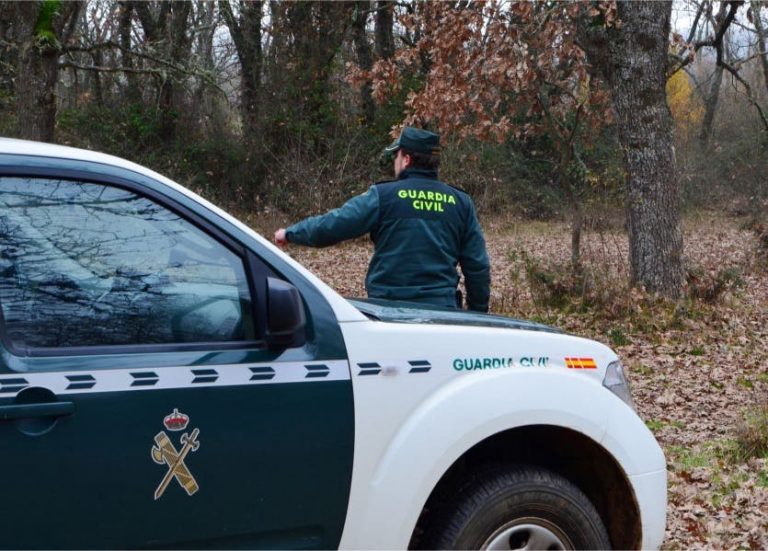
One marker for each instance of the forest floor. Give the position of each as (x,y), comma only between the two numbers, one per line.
(698,367)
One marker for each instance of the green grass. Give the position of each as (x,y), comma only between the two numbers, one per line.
(658,424)
(618,337)
(654,425)
(762,479)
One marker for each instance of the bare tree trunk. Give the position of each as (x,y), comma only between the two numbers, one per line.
(385,42)
(132,92)
(98,89)
(6,49)
(577,223)
(39,43)
(167,31)
(761,38)
(207,116)
(710,105)
(364,58)
(246,34)
(634,62)
(170,93)
(36,81)
(711,101)
(314,33)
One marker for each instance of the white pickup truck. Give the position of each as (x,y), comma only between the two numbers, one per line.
(168,378)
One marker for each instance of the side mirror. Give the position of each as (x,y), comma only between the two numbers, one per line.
(285,315)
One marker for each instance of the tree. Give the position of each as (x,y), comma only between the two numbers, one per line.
(307,36)
(385,42)
(632,57)
(165,27)
(245,28)
(41,29)
(720,25)
(518,70)
(133,93)
(762,37)
(6,50)
(493,71)
(364,57)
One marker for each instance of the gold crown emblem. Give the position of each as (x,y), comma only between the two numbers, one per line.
(176,421)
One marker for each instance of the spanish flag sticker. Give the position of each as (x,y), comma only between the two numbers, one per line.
(580,363)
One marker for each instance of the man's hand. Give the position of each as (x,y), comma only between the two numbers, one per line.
(280,239)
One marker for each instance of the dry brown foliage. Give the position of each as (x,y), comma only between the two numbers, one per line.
(699,368)
(498,69)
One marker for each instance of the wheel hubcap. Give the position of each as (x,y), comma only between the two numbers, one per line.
(528,533)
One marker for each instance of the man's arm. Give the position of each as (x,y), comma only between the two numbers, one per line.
(354,218)
(475,265)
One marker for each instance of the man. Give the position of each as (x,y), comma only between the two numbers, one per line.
(421,229)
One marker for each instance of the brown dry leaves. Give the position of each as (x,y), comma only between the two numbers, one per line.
(691,381)
(487,63)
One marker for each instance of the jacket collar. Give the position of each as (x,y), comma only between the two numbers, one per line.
(418,173)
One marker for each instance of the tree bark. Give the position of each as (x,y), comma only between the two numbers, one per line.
(180,46)
(246,34)
(98,89)
(710,105)
(167,32)
(312,34)
(761,38)
(208,118)
(634,63)
(711,101)
(364,58)
(132,91)
(6,50)
(39,43)
(384,21)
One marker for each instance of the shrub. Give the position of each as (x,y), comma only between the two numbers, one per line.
(575,288)
(709,287)
(752,433)
(618,337)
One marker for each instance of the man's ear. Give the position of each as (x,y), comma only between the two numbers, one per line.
(407,160)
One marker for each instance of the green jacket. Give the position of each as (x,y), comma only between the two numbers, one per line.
(421,229)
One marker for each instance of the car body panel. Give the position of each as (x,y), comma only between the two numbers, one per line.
(412,426)
(411,312)
(348,460)
(268,419)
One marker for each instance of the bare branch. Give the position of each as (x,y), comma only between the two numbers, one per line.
(100,69)
(692,34)
(203,74)
(741,62)
(114,45)
(715,42)
(748,89)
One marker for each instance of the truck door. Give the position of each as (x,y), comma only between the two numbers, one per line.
(139,403)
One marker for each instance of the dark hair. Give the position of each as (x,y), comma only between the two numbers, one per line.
(423,161)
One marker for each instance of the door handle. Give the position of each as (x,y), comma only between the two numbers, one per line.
(23,411)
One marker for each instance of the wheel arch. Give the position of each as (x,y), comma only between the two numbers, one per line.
(567,452)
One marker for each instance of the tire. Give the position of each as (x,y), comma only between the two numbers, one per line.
(515,507)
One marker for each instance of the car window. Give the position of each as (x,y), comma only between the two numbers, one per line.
(85,264)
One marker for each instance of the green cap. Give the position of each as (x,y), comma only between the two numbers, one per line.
(415,140)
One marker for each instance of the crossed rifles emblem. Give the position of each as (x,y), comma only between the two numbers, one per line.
(165,453)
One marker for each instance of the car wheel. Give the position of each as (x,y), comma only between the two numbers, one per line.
(516,507)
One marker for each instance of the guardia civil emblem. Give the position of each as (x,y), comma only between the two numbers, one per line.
(165,453)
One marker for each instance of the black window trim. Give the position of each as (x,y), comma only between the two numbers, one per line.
(254,269)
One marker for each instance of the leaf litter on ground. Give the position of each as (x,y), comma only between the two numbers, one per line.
(695,368)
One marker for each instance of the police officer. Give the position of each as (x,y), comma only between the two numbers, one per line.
(421,229)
